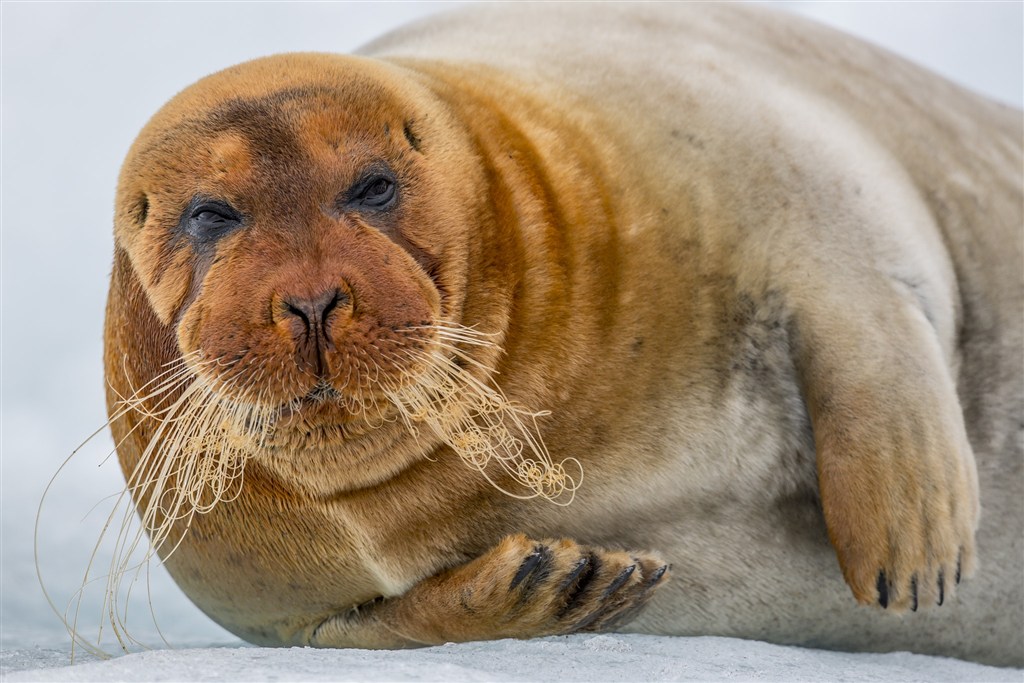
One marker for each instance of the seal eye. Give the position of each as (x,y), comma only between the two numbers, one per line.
(378,192)
(210,221)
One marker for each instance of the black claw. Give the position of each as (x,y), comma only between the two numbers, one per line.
(577,582)
(540,557)
(913,590)
(959,556)
(581,566)
(883,590)
(942,587)
(656,576)
(622,578)
(528,565)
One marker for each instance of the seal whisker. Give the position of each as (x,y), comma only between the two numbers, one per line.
(475,419)
(194,460)
(174,370)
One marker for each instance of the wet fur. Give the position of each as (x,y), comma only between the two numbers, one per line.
(767,293)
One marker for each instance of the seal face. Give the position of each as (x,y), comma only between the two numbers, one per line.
(757,337)
(299,245)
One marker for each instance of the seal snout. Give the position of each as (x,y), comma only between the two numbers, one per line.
(308,319)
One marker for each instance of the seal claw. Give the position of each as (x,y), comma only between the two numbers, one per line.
(531,568)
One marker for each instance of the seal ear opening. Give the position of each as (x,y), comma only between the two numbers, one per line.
(139,210)
(413,140)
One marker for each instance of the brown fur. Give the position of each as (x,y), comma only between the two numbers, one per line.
(688,303)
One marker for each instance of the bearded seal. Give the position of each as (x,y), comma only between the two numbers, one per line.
(745,290)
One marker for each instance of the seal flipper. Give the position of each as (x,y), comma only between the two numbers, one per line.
(521,588)
(896,473)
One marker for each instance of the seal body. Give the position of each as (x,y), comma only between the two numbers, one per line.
(762,280)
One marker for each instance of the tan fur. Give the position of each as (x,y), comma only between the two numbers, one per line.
(749,275)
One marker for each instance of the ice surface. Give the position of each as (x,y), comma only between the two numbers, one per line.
(573,658)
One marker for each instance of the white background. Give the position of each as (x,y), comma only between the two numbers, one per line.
(78,81)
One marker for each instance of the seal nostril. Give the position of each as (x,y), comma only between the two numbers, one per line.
(298,312)
(338,298)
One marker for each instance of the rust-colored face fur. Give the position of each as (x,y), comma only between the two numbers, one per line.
(297,239)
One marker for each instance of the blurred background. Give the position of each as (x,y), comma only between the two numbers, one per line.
(77,82)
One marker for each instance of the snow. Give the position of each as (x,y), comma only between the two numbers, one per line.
(571,658)
(78,82)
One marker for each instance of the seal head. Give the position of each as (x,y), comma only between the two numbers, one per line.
(299,238)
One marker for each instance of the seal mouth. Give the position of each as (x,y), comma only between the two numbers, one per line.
(328,409)
(320,393)
(324,407)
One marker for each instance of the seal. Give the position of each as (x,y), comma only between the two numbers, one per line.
(744,291)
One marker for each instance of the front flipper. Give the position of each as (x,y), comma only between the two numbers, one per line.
(896,473)
(521,588)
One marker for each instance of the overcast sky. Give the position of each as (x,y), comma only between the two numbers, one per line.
(79,80)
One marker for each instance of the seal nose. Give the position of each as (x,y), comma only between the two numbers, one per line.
(313,312)
(309,320)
